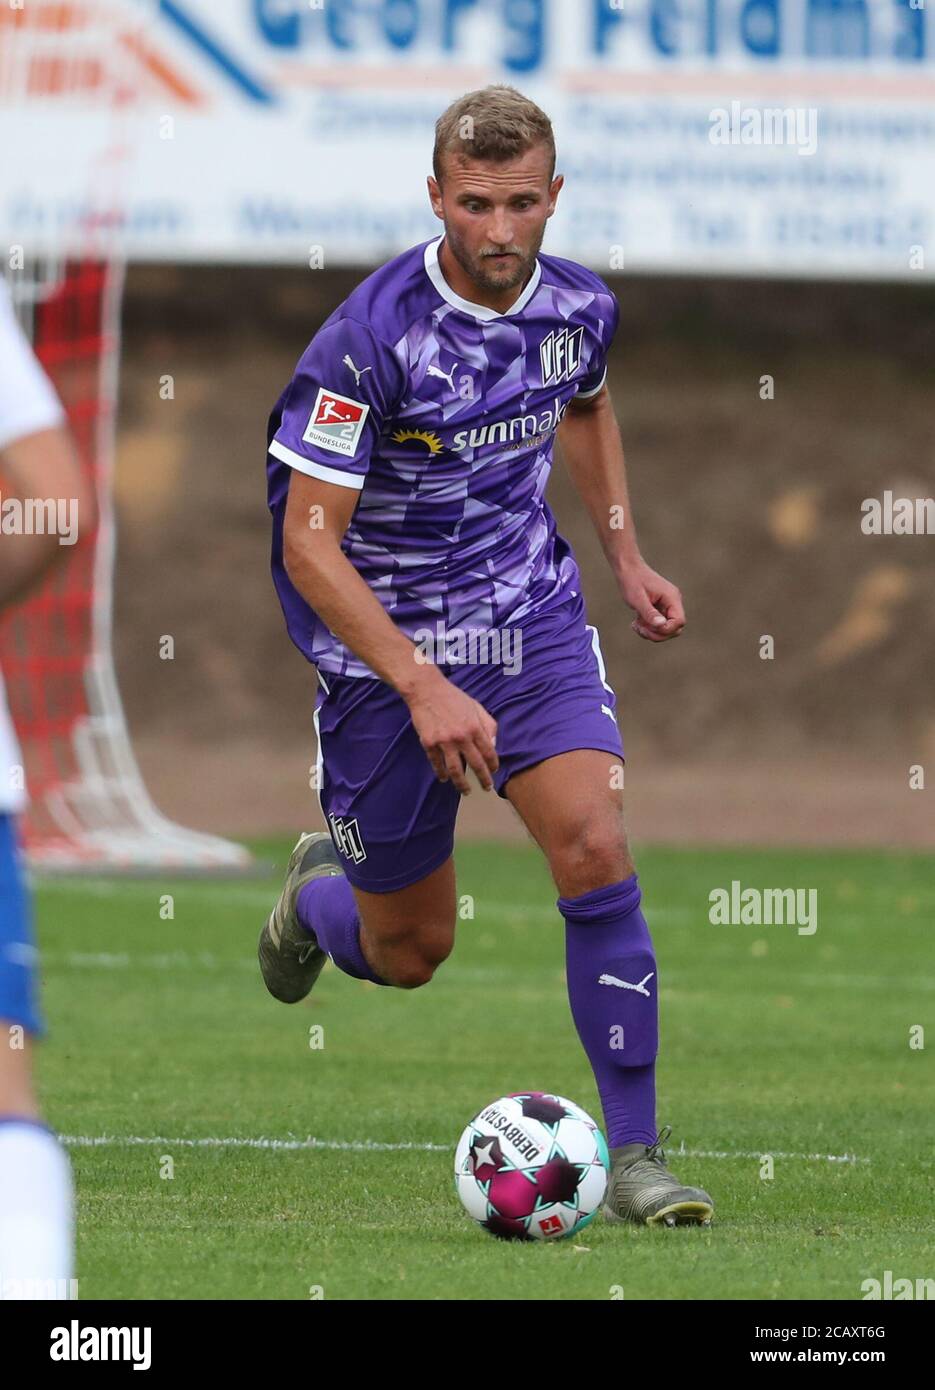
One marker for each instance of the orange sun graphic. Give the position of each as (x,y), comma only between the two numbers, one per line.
(435,445)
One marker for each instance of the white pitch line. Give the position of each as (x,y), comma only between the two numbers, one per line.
(246,894)
(456,974)
(764,1153)
(98,1141)
(125,960)
(261,894)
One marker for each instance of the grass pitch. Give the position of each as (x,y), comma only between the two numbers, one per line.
(165,1046)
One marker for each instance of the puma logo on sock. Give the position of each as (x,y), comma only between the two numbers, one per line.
(625,984)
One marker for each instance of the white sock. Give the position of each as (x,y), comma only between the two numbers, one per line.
(36,1212)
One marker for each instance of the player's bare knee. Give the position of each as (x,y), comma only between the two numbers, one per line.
(412,974)
(416,969)
(594,855)
(434,946)
(414,961)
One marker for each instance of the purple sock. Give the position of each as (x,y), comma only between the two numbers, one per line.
(326,908)
(608,947)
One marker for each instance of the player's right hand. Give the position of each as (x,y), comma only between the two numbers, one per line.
(455,732)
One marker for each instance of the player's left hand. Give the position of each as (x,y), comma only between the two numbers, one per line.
(656,602)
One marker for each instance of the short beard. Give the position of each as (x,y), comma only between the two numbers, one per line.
(476,266)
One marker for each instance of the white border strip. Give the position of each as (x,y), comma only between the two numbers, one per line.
(588,395)
(478,311)
(102,1141)
(315,470)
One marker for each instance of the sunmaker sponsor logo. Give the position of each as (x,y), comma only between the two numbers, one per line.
(519,431)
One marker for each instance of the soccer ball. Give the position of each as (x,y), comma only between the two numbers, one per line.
(532,1166)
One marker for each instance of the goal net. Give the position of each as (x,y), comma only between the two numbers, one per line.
(89,807)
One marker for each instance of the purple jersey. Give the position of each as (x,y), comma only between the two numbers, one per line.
(442,415)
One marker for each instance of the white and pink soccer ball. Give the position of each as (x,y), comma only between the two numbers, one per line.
(532,1166)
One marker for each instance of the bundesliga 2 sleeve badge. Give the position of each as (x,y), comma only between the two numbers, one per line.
(336,423)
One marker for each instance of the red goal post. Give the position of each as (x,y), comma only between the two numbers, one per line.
(89,807)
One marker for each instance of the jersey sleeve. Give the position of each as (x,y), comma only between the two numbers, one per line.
(595,379)
(28,402)
(345,387)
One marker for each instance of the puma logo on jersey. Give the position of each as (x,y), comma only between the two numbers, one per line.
(358,373)
(625,984)
(445,376)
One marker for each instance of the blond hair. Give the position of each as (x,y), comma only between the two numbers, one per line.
(496,123)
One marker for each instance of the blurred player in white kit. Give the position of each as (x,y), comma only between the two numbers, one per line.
(37,461)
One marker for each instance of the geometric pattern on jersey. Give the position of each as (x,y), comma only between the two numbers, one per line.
(441,415)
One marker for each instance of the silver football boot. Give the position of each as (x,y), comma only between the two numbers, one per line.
(641,1189)
(290,958)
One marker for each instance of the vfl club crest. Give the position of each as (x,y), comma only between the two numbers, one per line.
(346,836)
(560,355)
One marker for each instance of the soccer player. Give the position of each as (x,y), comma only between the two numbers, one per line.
(37,463)
(407,465)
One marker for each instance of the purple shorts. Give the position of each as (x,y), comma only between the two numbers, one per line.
(391,820)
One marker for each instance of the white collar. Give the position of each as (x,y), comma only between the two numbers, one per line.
(480,311)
